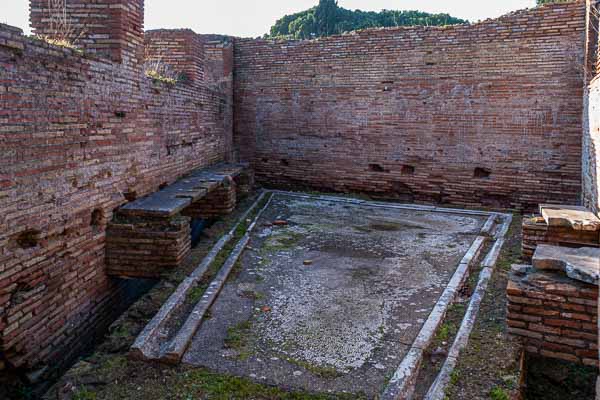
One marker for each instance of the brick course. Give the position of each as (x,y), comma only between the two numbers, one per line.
(112,28)
(487,114)
(217,203)
(146,248)
(536,231)
(556,316)
(181,49)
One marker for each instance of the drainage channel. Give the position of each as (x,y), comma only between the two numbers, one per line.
(158,342)
(456,313)
(163,338)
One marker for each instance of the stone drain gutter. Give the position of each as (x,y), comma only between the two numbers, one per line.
(438,389)
(402,385)
(147,345)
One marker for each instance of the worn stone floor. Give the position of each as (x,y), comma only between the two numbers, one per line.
(332,300)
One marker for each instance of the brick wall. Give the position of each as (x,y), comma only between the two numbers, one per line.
(218,69)
(79,135)
(146,247)
(181,49)
(112,28)
(535,231)
(556,316)
(488,114)
(591,116)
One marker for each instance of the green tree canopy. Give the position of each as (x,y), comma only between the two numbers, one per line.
(328,18)
(540,2)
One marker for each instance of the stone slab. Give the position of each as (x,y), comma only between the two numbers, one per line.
(156,205)
(577,218)
(582,264)
(438,389)
(180,343)
(181,194)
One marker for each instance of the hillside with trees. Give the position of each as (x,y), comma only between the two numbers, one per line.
(328,18)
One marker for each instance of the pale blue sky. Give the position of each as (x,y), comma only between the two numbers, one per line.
(255,17)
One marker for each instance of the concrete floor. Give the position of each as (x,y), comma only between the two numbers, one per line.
(332,301)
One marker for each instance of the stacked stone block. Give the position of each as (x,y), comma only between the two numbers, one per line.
(556,316)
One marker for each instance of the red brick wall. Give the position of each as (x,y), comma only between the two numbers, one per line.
(535,231)
(113,28)
(181,49)
(488,114)
(78,134)
(556,316)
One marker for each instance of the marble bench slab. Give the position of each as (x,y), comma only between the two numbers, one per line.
(181,194)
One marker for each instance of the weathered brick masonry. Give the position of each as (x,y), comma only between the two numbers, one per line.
(555,315)
(105,27)
(139,247)
(536,231)
(80,136)
(488,114)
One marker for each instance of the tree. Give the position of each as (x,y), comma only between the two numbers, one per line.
(540,2)
(327,18)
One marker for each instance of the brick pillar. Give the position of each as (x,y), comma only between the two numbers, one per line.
(111,28)
(218,53)
(218,75)
(179,49)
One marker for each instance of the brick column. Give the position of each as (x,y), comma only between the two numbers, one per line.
(179,49)
(112,28)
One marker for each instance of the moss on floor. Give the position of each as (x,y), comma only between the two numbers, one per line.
(486,368)
(127,379)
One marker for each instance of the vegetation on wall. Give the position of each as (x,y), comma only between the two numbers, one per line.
(63,31)
(328,18)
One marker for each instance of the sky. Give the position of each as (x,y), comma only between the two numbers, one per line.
(252,18)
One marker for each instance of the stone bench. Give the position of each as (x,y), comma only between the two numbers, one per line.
(152,235)
(569,226)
